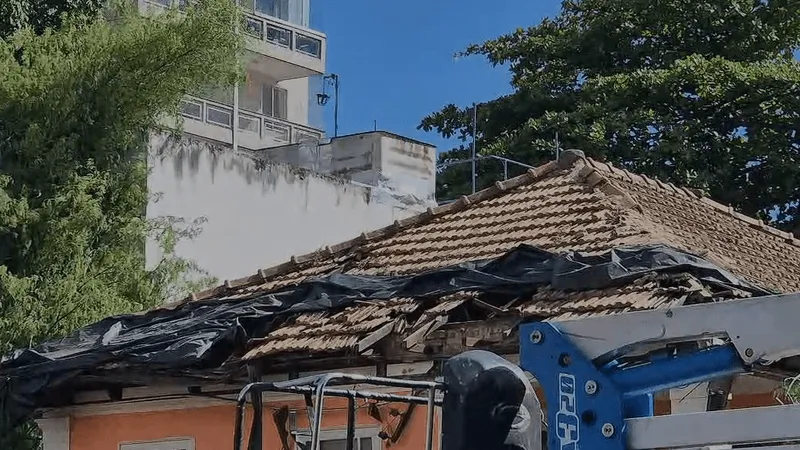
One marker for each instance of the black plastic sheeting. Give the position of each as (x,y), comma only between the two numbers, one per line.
(203,334)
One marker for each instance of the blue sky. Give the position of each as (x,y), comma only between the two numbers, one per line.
(395,58)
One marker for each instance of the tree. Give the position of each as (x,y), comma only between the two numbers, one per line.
(40,15)
(700,93)
(77,105)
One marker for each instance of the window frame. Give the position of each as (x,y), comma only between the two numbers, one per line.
(340,434)
(316,42)
(191,102)
(213,108)
(160,444)
(270,90)
(277,7)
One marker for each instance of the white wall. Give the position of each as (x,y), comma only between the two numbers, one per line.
(55,433)
(377,158)
(297,93)
(258,213)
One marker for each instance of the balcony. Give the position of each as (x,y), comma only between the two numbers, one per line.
(291,51)
(213,120)
(281,49)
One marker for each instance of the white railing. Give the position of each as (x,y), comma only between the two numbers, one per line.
(260,125)
(283,34)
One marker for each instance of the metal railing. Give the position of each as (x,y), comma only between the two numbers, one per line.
(261,125)
(505,161)
(282,34)
(315,388)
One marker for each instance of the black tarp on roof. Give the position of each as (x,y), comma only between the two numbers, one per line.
(203,334)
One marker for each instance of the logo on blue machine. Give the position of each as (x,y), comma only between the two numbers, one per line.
(566,419)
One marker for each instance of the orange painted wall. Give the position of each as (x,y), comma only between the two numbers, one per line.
(212,427)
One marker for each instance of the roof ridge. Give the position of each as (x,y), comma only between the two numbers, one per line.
(595,174)
(696,194)
(566,160)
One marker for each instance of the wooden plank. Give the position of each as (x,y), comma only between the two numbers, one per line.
(487,306)
(417,336)
(408,369)
(375,337)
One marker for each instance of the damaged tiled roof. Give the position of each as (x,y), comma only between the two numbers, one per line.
(322,331)
(352,327)
(573,204)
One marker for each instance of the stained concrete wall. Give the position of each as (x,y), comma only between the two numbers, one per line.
(378,158)
(257,213)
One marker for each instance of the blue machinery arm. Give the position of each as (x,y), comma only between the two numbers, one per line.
(599,396)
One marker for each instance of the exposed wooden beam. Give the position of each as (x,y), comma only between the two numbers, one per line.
(454,338)
(374,337)
(417,336)
(489,307)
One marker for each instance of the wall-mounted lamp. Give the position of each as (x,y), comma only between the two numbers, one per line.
(323,97)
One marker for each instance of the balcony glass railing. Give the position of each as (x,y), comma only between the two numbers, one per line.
(282,34)
(259,125)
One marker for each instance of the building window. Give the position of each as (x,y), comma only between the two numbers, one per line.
(264,98)
(308,45)
(254,27)
(167,444)
(192,109)
(274,8)
(279,36)
(366,439)
(275,102)
(219,116)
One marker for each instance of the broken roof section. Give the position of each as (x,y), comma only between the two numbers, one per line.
(573,204)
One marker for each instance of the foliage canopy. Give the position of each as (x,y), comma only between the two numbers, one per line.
(700,93)
(77,104)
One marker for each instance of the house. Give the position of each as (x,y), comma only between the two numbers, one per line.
(123,390)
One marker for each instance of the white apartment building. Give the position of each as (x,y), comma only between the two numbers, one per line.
(275,101)
(264,183)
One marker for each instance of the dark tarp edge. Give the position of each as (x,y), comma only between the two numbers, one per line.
(202,334)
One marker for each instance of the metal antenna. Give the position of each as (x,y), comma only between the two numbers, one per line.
(558,147)
(474,139)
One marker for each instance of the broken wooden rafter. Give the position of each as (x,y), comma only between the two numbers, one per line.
(375,337)
(417,336)
(489,307)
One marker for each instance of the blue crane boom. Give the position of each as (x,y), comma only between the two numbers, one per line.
(599,374)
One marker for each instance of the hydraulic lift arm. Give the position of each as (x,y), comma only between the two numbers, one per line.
(599,374)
